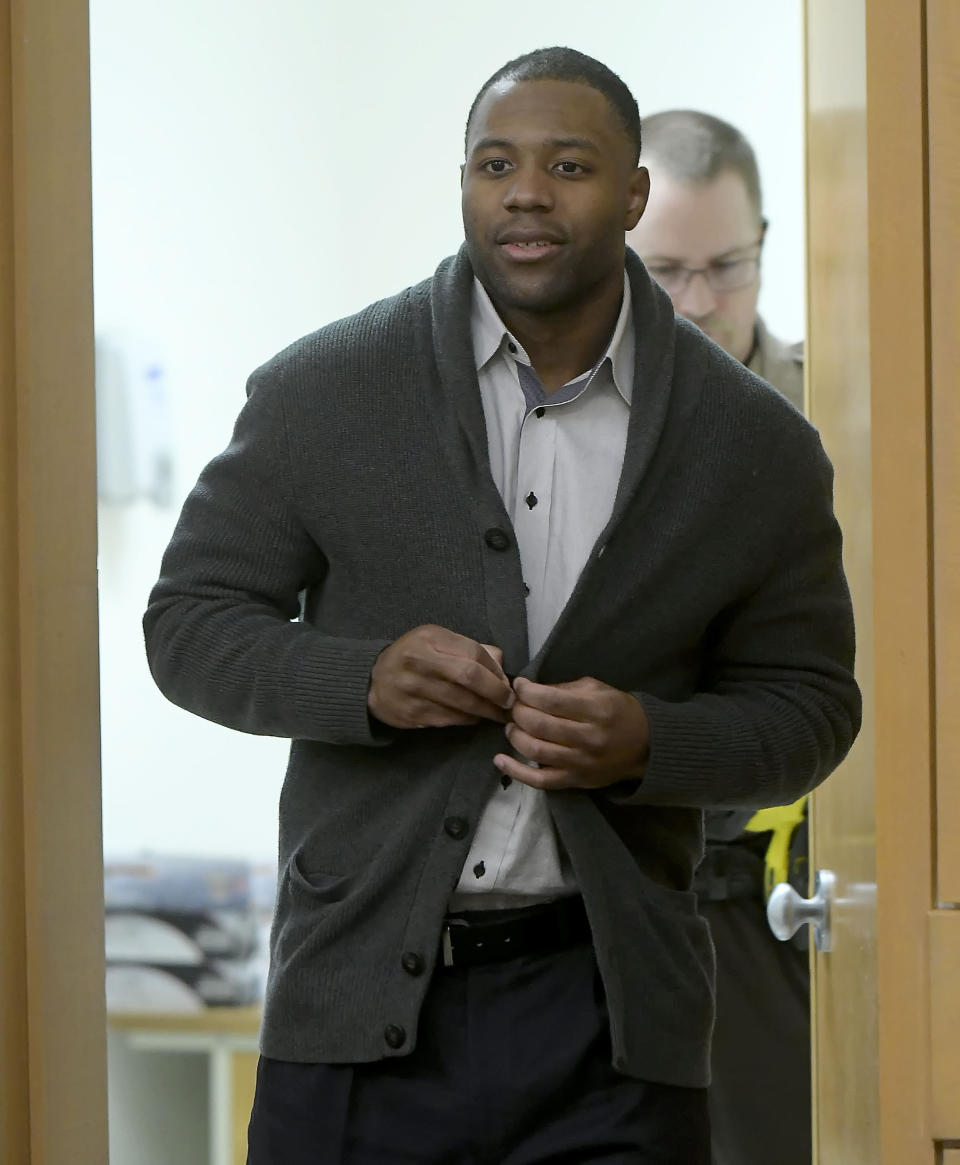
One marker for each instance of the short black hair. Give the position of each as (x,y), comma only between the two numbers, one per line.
(563,64)
(697,147)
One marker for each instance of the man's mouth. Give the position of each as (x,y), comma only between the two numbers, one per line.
(528,250)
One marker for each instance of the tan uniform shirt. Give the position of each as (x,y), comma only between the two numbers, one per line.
(779,364)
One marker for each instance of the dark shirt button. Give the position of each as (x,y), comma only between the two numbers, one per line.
(497,539)
(531,499)
(541,411)
(512,346)
(456,827)
(411,963)
(505,781)
(395,1036)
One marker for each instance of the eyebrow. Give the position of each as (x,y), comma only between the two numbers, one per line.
(714,258)
(553,143)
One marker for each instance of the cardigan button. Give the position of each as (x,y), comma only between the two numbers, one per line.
(412,963)
(456,827)
(395,1036)
(497,539)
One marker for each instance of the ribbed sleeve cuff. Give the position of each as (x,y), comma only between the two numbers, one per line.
(689,745)
(329,691)
(718,750)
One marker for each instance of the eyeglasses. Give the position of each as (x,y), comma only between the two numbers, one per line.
(721,276)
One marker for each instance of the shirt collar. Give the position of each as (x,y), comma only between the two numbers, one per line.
(490,336)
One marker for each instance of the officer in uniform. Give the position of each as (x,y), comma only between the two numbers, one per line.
(702,239)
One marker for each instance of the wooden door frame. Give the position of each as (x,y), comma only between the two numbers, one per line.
(52,1014)
(844,989)
(899,341)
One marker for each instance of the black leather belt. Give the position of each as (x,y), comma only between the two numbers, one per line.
(475,937)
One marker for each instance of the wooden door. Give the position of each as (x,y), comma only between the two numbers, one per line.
(844,996)
(884,244)
(52,1041)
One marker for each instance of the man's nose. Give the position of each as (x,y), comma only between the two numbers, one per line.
(697,300)
(529,189)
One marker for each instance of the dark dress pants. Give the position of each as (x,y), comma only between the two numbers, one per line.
(760,1094)
(512,1067)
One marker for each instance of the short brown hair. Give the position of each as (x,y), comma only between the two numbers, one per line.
(697,147)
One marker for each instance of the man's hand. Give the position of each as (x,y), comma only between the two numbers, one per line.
(434,678)
(582,735)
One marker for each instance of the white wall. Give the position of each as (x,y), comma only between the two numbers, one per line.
(262,168)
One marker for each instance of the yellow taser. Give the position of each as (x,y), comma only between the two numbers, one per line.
(781,821)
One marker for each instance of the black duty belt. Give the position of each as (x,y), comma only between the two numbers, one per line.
(729,871)
(490,936)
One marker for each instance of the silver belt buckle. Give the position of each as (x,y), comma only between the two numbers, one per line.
(446,945)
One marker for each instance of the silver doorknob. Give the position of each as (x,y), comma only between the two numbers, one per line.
(787,910)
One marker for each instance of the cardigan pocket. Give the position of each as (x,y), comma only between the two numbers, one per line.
(322,886)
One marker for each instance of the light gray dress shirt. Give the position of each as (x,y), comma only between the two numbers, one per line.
(556,460)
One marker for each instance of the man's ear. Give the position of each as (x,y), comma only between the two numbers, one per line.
(463,166)
(638,195)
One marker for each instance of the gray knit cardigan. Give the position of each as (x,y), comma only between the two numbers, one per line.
(355,502)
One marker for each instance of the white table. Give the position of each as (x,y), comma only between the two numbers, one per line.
(228,1037)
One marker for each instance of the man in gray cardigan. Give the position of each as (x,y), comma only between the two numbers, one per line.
(529,572)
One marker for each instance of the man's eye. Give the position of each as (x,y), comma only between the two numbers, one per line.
(664,271)
(570,168)
(495,166)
